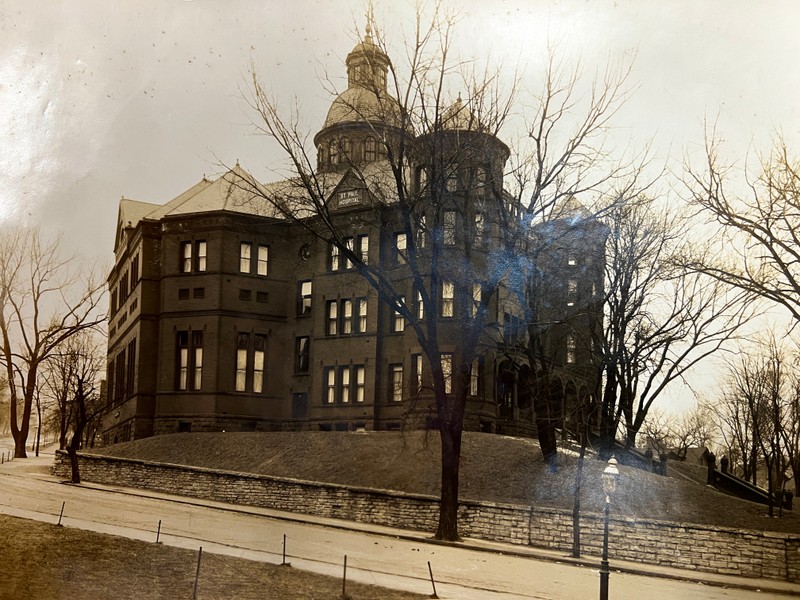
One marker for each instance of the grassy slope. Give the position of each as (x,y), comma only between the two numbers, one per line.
(43,561)
(493,467)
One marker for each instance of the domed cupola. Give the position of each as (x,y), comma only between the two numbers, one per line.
(357,122)
(463,152)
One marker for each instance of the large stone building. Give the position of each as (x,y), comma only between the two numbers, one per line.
(227,316)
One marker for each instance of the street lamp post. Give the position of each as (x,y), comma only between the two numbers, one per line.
(610,480)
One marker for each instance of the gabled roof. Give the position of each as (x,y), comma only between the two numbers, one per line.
(233,191)
(571,210)
(129,214)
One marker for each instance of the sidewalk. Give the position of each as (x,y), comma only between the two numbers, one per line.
(38,467)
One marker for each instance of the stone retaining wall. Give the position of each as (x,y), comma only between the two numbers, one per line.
(701,548)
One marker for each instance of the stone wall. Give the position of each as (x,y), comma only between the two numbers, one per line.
(701,548)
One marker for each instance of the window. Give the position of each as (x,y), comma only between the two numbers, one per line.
(134,270)
(449,228)
(420,306)
(479,228)
(242,343)
(202,250)
(197,347)
(416,366)
(304,305)
(345,148)
(262,297)
(474,377)
(344,376)
(333,257)
(571,349)
(262,266)
(363,248)
(477,292)
(452,183)
(448,293)
(362,315)
(189,346)
(183,293)
(259,353)
(347,317)
(399,322)
(131,375)
(332,317)
(349,243)
(245,250)
(123,287)
(400,245)
(422,179)
(333,152)
(302,346)
(119,389)
(113,302)
(320,156)
(369,149)
(186,261)
(199,293)
(480,176)
(396,377)
(447,372)
(250,362)
(421,232)
(360,372)
(330,385)
(186,257)
(245,295)
(572,291)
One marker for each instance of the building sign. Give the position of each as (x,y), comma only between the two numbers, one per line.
(350,197)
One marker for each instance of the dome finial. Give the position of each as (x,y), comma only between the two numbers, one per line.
(368,28)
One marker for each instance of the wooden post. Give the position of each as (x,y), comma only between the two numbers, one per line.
(197,574)
(433,583)
(344,578)
(61,514)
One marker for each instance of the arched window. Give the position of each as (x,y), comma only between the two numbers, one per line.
(346,149)
(320,156)
(480,181)
(333,153)
(369,149)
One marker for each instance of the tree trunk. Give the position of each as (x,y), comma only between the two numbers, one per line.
(796,473)
(448,508)
(607,418)
(38,426)
(73,461)
(576,502)
(771,510)
(545,430)
(630,437)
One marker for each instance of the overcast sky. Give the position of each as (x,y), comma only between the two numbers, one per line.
(142,98)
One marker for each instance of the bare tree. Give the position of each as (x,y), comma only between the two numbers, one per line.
(44,300)
(757,229)
(439,193)
(766,392)
(734,424)
(678,433)
(84,362)
(662,318)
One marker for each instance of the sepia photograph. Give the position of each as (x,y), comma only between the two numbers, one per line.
(367,300)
